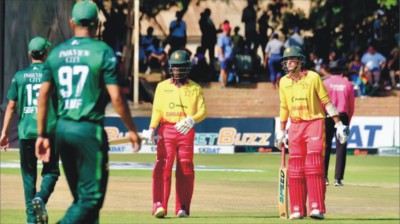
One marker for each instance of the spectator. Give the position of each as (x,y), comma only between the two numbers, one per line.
(295,39)
(263,25)
(200,71)
(354,68)
(237,41)
(177,33)
(249,17)
(374,61)
(341,93)
(225,53)
(147,40)
(393,67)
(208,35)
(273,56)
(114,28)
(157,57)
(315,63)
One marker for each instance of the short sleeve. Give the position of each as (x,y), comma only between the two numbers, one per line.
(13,91)
(47,72)
(109,67)
(220,41)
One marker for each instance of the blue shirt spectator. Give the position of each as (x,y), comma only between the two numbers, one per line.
(225,43)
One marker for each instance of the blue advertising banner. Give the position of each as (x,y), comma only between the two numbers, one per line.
(213,135)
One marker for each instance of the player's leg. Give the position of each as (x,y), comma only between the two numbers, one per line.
(296,177)
(28,164)
(330,131)
(166,151)
(184,174)
(314,168)
(341,153)
(50,173)
(85,147)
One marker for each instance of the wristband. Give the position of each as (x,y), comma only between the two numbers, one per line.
(43,135)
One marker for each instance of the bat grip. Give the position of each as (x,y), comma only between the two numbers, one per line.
(283,157)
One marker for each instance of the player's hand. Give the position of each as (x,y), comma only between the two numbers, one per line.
(342,132)
(4,142)
(184,125)
(148,134)
(135,141)
(281,139)
(42,149)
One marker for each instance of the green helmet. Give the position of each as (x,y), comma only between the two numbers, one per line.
(294,51)
(179,57)
(179,62)
(85,13)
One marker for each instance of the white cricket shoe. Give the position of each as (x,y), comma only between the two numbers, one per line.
(182,214)
(295,215)
(160,212)
(316,214)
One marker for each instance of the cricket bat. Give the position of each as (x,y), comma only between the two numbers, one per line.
(282,190)
(124,140)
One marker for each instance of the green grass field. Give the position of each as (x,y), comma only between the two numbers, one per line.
(239,188)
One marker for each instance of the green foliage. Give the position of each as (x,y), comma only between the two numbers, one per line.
(151,8)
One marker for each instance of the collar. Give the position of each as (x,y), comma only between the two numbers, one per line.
(302,74)
(177,82)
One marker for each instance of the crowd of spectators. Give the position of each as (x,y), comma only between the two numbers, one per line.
(371,71)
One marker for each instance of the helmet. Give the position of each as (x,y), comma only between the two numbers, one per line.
(293,51)
(179,62)
(85,13)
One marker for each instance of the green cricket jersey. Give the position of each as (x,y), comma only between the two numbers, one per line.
(24,89)
(80,68)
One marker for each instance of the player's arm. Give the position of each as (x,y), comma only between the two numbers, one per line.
(281,135)
(42,148)
(10,111)
(201,108)
(121,107)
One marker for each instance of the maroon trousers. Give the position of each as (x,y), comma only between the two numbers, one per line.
(173,144)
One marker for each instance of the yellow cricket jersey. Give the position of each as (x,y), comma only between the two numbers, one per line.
(173,104)
(304,99)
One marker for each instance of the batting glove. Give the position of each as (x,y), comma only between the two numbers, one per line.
(281,138)
(148,134)
(184,125)
(342,132)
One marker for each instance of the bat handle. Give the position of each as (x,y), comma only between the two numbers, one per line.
(283,157)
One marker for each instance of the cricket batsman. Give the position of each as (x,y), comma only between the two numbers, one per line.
(304,99)
(178,105)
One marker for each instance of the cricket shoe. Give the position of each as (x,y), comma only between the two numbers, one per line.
(160,213)
(182,214)
(40,210)
(295,215)
(316,214)
(338,183)
(326,181)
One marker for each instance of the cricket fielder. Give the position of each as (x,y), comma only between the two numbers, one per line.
(178,105)
(82,73)
(304,99)
(23,95)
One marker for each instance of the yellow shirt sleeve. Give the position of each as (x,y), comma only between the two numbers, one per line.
(172,104)
(302,99)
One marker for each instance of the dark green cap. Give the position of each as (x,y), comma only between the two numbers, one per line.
(85,13)
(39,44)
